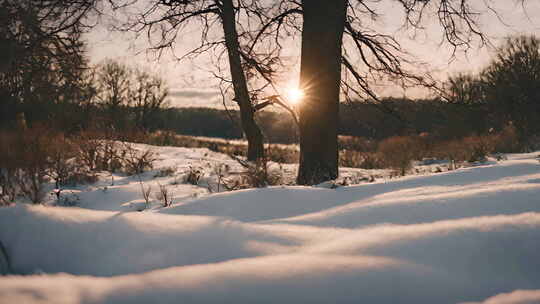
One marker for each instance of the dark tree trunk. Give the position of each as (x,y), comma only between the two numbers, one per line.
(320,76)
(249,126)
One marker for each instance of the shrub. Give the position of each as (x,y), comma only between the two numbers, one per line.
(29,157)
(88,148)
(220,170)
(399,151)
(371,161)
(452,151)
(468,149)
(281,154)
(256,175)
(8,190)
(355,143)
(136,161)
(193,175)
(349,158)
(145,191)
(109,156)
(62,166)
(24,164)
(98,154)
(364,160)
(8,168)
(33,148)
(507,141)
(477,148)
(163,195)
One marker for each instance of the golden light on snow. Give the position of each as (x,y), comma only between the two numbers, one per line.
(295,95)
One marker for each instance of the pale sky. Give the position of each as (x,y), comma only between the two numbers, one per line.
(192,84)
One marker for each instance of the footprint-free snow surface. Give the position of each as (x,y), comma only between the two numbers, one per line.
(465,236)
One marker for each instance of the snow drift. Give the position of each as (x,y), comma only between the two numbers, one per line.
(467,236)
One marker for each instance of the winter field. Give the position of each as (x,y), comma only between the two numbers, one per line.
(470,235)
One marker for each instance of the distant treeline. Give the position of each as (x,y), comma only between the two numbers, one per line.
(402,116)
(393,116)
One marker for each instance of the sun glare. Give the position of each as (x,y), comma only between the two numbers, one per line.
(295,95)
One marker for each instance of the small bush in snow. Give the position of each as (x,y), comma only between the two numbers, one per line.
(8,190)
(399,151)
(193,175)
(63,166)
(280,154)
(32,184)
(163,195)
(110,156)
(8,168)
(507,140)
(364,160)
(145,191)
(33,148)
(468,149)
(99,152)
(355,143)
(30,157)
(350,158)
(478,147)
(25,164)
(221,171)
(452,151)
(256,174)
(89,149)
(136,161)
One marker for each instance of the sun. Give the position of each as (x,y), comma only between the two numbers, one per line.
(295,95)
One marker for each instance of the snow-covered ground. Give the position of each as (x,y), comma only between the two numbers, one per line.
(466,236)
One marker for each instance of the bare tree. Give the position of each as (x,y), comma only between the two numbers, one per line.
(511,87)
(149,96)
(114,82)
(241,91)
(42,54)
(243,24)
(26,25)
(367,57)
(320,73)
(122,89)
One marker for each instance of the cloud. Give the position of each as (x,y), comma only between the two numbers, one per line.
(194,93)
(515,297)
(196,97)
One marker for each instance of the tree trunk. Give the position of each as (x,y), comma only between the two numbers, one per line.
(249,126)
(320,76)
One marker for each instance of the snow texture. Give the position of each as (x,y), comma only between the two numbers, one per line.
(465,236)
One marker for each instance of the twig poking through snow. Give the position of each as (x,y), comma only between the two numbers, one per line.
(145,191)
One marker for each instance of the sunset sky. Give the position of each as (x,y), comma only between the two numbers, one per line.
(192,84)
